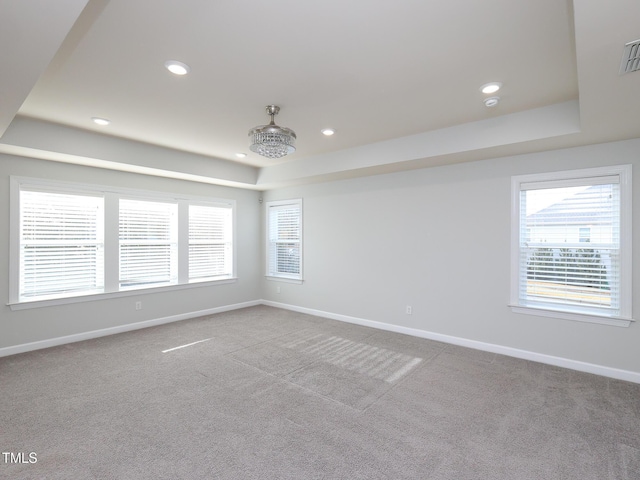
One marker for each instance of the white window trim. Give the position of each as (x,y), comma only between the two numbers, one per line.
(283,279)
(123,293)
(184,230)
(624,173)
(111,197)
(295,279)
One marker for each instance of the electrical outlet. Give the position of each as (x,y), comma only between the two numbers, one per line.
(409,310)
(278,289)
(138,305)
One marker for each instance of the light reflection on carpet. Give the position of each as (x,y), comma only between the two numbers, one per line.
(376,362)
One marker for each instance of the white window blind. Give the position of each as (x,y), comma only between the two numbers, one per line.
(284,244)
(210,242)
(61,245)
(70,240)
(570,246)
(148,243)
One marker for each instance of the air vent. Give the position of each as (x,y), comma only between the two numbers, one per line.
(630,57)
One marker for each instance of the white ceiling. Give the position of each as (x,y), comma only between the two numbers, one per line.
(399,82)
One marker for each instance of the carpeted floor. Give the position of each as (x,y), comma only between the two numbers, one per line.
(263,393)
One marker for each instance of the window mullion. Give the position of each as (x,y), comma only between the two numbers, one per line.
(183,242)
(111,248)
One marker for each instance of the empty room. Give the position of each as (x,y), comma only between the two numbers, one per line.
(319,240)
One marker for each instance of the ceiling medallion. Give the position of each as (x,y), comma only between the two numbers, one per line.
(272,141)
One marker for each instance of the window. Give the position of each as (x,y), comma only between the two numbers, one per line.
(71,240)
(148,243)
(210,242)
(571,245)
(585,234)
(61,245)
(284,239)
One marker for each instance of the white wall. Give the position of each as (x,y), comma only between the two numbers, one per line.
(40,324)
(438,239)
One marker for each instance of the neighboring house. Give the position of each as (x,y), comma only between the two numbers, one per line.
(571,243)
(584,217)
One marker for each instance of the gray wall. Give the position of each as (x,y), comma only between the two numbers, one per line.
(438,239)
(33,325)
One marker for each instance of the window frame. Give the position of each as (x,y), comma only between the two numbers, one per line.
(227,243)
(560,179)
(271,274)
(171,244)
(96,269)
(111,196)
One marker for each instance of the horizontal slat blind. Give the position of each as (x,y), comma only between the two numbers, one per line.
(68,240)
(284,240)
(148,243)
(61,245)
(570,247)
(210,242)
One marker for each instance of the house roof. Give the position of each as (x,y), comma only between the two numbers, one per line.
(591,206)
(398,81)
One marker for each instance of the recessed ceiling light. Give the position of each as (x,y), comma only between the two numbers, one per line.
(328,132)
(241,155)
(492,87)
(176,67)
(100,121)
(491,101)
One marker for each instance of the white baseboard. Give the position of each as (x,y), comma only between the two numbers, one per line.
(619,374)
(616,373)
(53,342)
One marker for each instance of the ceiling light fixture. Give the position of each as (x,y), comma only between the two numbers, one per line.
(328,132)
(272,141)
(177,68)
(241,155)
(492,87)
(100,121)
(491,101)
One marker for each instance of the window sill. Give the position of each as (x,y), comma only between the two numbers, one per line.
(578,317)
(124,293)
(296,281)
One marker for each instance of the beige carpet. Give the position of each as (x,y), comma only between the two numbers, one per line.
(263,393)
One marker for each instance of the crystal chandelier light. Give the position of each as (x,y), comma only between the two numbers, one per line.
(272,141)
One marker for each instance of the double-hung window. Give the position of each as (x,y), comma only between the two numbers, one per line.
(284,239)
(69,240)
(571,245)
(148,232)
(61,244)
(210,241)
